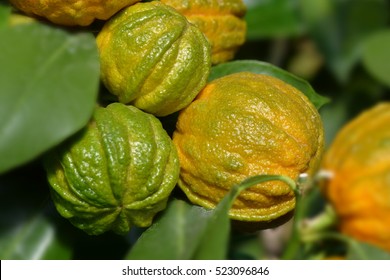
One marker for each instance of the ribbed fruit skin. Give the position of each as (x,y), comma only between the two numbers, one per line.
(241,125)
(359,188)
(72,12)
(153,58)
(222,21)
(117,172)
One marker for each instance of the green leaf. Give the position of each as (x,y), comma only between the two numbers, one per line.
(363,251)
(246,246)
(271,70)
(35,239)
(5,12)
(214,244)
(270,19)
(48,88)
(26,229)
(375,54)
(174,235)
(340,28)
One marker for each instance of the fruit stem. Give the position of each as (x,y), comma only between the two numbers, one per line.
(305,229)
(257,179)
(325,220)
(254,180)
(294,243)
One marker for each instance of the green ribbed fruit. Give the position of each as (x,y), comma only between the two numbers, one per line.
(153,58)
(117,172)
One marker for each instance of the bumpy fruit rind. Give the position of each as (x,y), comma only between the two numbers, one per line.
(241,125)
(72,12)
(153,58)
(221,21)
(359,188)
(117,172)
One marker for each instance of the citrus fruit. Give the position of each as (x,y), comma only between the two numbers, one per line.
(220,20)
(153,58)
(117,172)
(241,125)
(359,189)
(72,12)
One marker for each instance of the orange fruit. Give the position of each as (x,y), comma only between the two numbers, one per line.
(241,125)
(72,12)
(359,189)
(222,21)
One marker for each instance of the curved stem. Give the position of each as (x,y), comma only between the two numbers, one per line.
(257,179)
(295,240)
(254,180)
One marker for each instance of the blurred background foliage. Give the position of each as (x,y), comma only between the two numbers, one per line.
(341,47)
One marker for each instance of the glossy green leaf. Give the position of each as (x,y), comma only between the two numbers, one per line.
(214,244)
(363,251)
(34,239)
(268,69)
(340,28)
(376,56)
(174,235)
(49,82)
(270,19)
(27,231)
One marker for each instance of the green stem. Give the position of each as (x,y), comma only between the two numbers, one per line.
(257,179)
(307,233)
(315,237)
(254,180)
(325,220)
(335,236)
(294,243)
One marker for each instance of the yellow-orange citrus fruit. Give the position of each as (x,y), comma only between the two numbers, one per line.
(153,58)
(241,125)
(220,20)
(359,188)
(72,12)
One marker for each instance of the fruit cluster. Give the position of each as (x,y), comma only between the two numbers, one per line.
(155,57)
